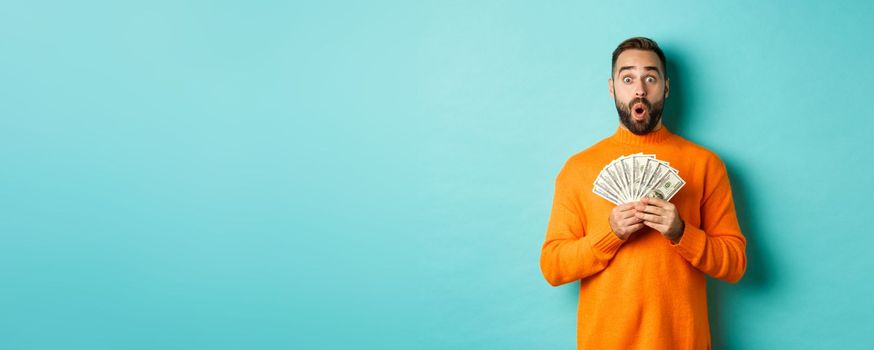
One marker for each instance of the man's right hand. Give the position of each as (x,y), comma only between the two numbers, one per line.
(624,221)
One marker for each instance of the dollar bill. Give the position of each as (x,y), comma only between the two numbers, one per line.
(667,187)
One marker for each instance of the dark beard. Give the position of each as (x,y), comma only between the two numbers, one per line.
(645,127)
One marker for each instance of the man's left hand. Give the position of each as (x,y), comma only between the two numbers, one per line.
(662,216)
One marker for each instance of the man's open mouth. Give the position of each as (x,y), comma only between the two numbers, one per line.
(638,111)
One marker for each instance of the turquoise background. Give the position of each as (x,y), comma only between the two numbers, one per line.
(327,175)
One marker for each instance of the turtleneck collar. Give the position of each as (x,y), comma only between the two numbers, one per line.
(622,135)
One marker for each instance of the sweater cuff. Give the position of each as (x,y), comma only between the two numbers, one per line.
(605,243)
(691,245)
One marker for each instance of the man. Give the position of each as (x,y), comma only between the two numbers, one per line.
(642,265)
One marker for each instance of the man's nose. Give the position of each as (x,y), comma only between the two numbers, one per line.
(639,91)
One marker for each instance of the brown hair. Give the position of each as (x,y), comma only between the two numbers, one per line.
(640,43)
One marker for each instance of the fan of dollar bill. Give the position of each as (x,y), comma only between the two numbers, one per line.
(630,178)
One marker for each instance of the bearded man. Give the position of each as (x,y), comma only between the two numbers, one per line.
(642,264)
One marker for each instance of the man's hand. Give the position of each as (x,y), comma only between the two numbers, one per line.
(662,216)
(624,220)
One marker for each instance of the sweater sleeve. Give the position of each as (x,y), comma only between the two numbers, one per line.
(569,253)
(717,248)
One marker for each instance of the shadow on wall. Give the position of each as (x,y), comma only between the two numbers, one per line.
(674,116)
(722,296)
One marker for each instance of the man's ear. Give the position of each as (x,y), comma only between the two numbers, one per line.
(610,87)
(667,87)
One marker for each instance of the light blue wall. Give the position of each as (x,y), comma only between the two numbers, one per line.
(327,175)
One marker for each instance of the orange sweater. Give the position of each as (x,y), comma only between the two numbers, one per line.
(643,293)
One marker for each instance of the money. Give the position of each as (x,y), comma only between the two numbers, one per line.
(630,178)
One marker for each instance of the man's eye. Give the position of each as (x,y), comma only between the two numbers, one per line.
(650,79)
(626,79)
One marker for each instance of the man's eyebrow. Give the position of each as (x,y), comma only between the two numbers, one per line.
(648,68)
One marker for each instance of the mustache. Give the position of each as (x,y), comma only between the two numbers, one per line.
(640,100)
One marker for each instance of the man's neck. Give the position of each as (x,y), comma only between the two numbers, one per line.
(657,127)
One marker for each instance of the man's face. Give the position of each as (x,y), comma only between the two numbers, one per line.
(639,89)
